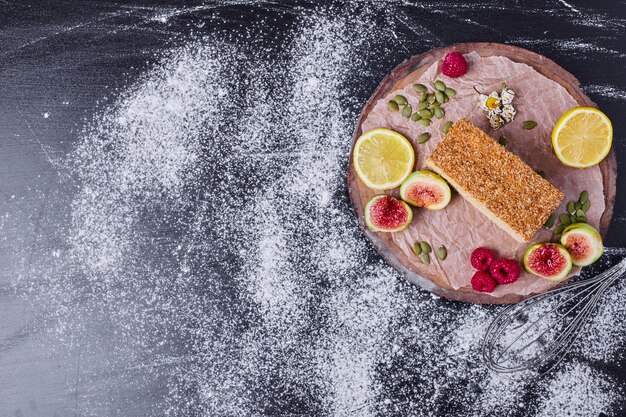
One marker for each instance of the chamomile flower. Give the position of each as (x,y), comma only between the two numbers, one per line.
(490,102)
(498,106)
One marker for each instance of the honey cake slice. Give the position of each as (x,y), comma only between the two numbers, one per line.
(498,183)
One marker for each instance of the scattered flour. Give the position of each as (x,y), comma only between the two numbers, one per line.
(212,238)
(568,392)
(605,91)
(576,46)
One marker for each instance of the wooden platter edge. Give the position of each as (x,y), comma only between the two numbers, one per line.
(543,65)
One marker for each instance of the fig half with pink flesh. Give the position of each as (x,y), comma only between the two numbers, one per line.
(384,213)
(425,189)
(548,260)
(583,243)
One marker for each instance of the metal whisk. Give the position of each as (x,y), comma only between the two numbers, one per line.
(530,338)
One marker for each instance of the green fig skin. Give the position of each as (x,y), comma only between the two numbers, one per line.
(562,251)
(593,242)
(430,179)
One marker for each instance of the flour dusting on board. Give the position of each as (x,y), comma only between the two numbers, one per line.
(213,228)
(606,91)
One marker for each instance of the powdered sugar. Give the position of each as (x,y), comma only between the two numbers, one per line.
(212,235)
(605,91)
(567,393)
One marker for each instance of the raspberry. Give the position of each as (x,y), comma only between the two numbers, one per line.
(482,258)
(483,282)
(454,65)
(505,271)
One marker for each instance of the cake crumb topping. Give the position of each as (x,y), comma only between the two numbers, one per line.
(497,182)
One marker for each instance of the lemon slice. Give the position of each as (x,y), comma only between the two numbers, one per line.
(383,158)
(582,137)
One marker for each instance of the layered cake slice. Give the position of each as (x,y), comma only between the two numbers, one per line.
(498,183)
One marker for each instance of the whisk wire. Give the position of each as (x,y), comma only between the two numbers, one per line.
(579,299)
(529,327)
(554,309)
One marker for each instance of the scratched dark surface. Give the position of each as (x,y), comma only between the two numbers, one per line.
(62,62)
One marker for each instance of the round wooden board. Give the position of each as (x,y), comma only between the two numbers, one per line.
(399,78)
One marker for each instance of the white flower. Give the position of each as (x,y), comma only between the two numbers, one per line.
(490,102)
(507,95)
(499,107)
(508,113)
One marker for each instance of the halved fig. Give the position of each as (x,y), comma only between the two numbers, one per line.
(383,213)
(548,260)
(583,243)
(425,189)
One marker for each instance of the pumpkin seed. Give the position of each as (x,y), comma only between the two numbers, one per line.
(417,249)
(578,206)
(559,230)
(584,197)
(415,116)
(564,218)
(442,253)
(581,220)
(424,97)
(393,106)
(450,92)
(420,88)
(425,113)
(446,99)
(550,222)
(571,208)
(541,174)
(425,258)
(400,99)
(440,86)
(424,122)
(423,105)
(529,124)
(580,213)
(446,126)
(436,104)
(503,141)
(423,138)
(431,98)
(439,96)
(406,111)
(425,247)
(572,218)
(586,205)
(439,113)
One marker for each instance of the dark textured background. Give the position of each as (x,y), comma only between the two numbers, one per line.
(70,58)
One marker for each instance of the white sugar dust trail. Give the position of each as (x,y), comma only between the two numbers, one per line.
(305,266)
(125,285)
(212,237)
(303,224)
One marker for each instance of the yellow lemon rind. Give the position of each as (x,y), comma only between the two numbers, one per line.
(563,119)
(363,177)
